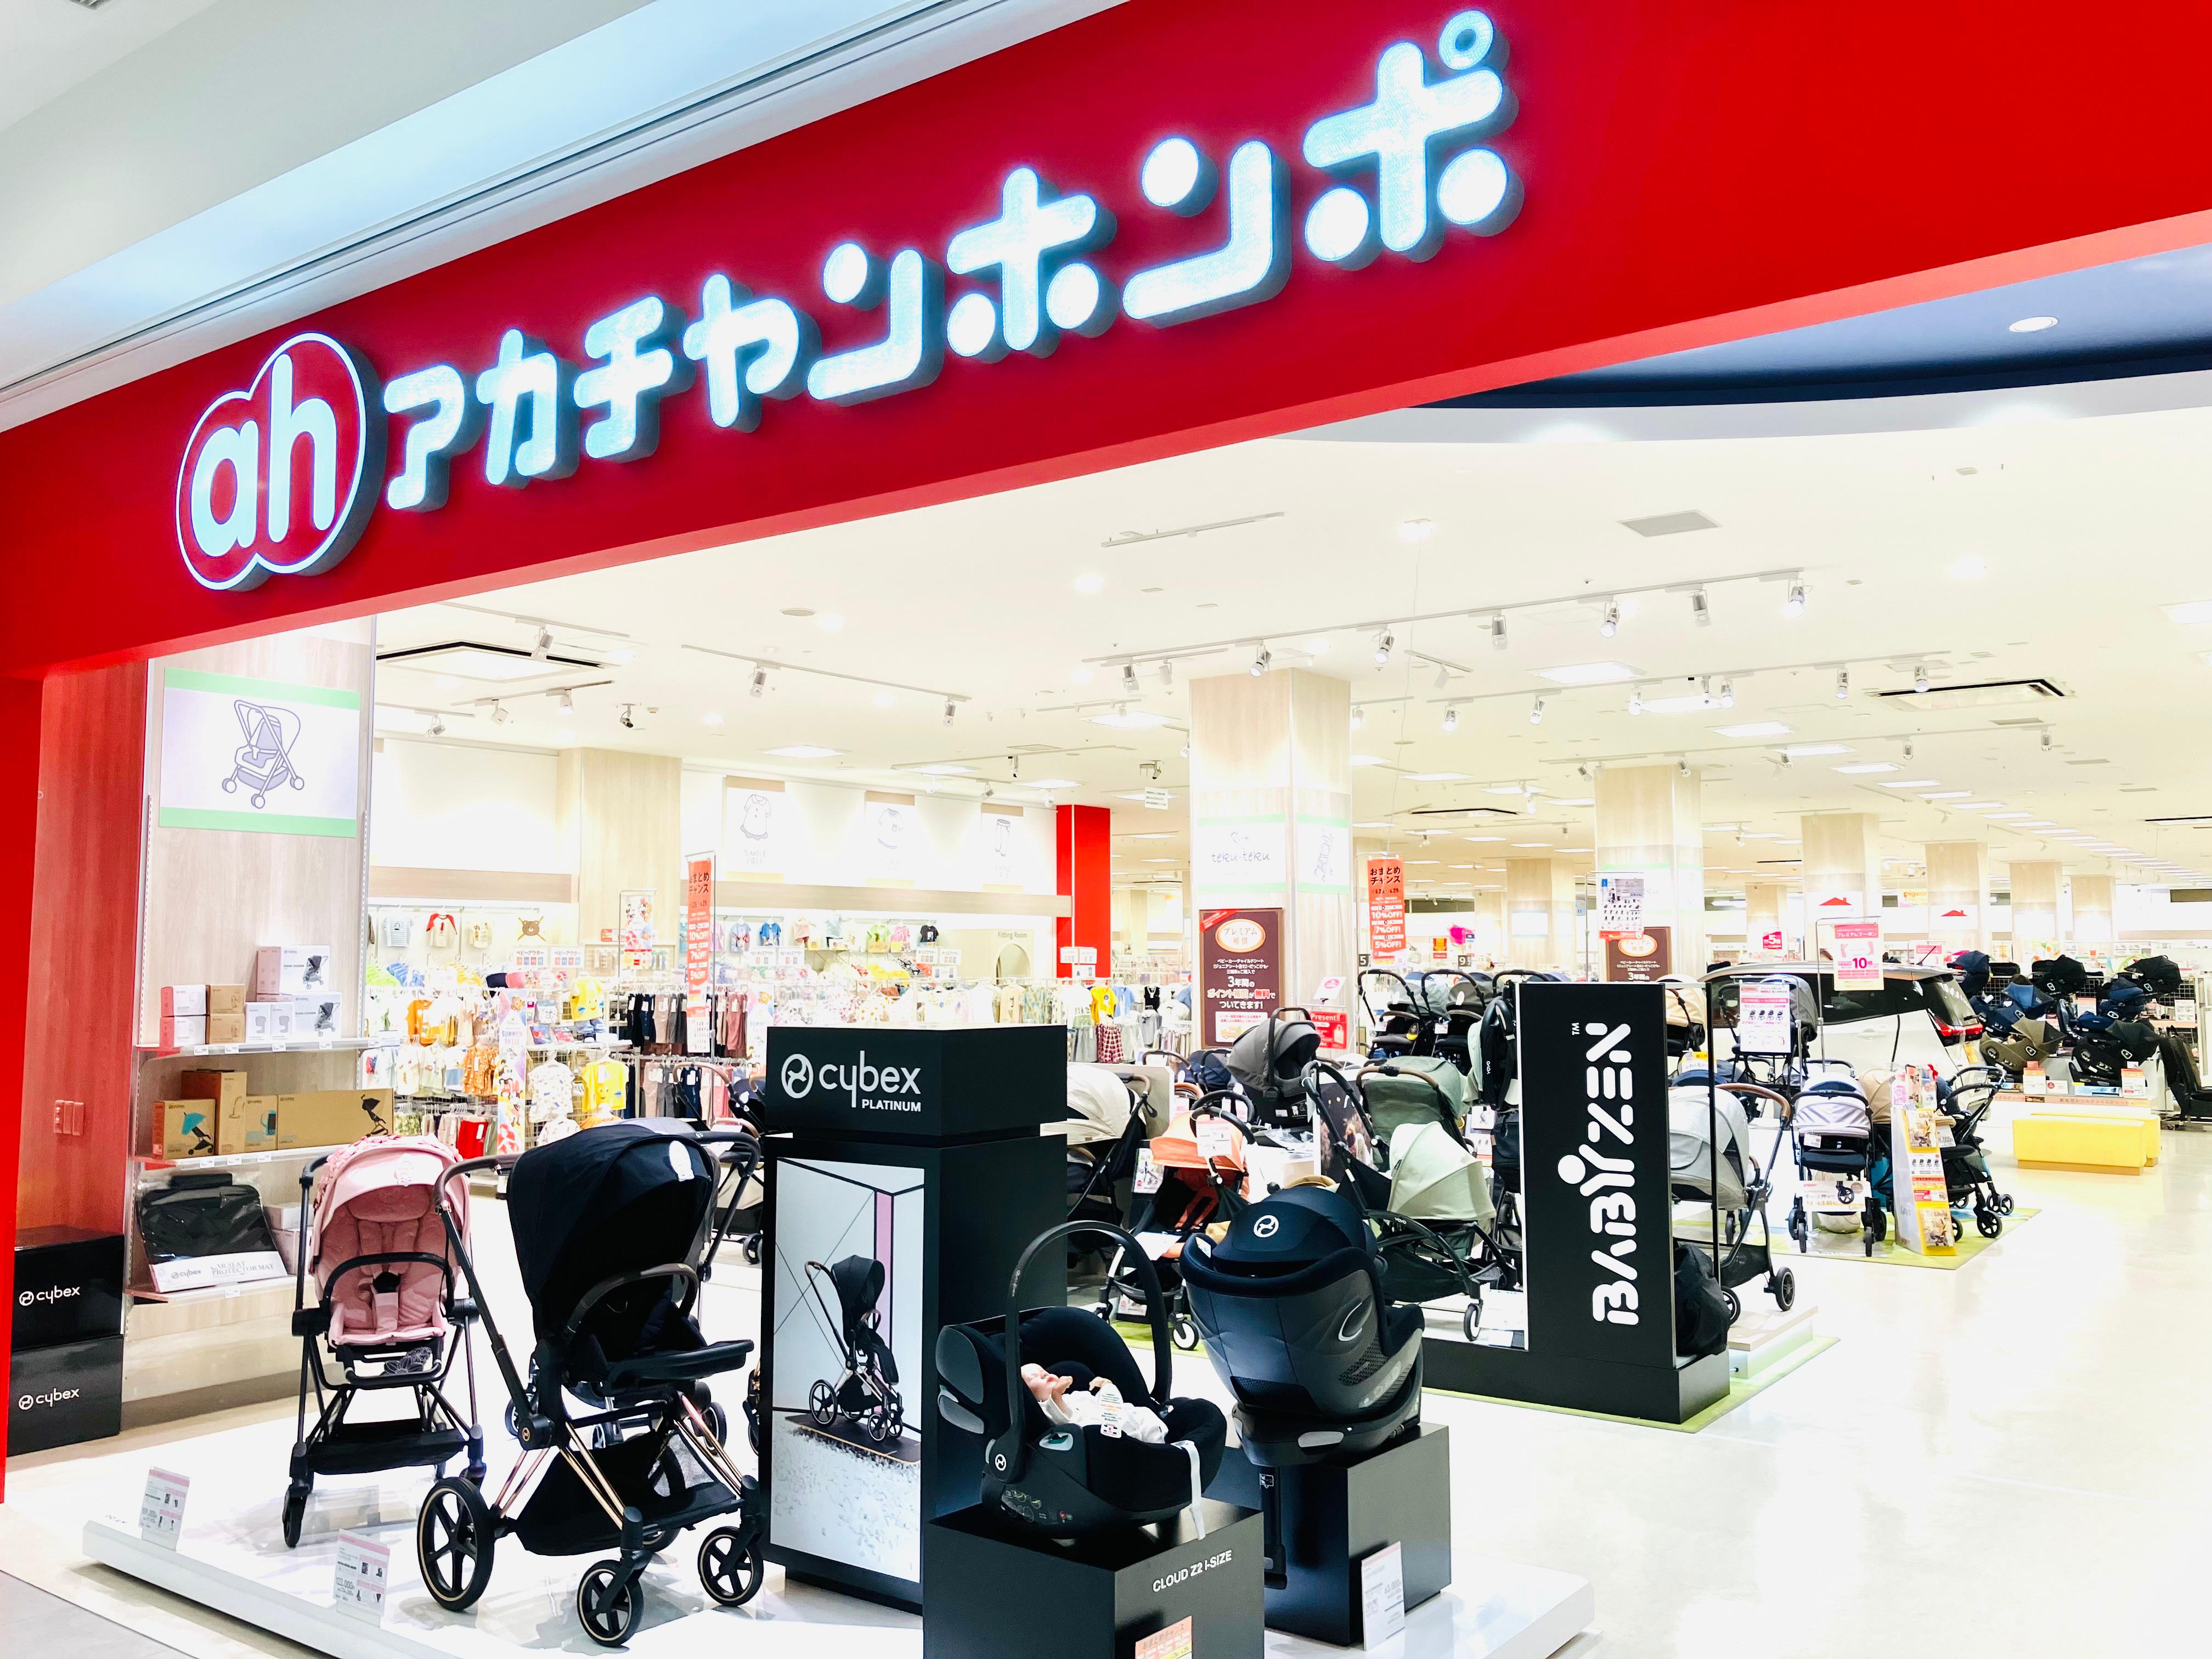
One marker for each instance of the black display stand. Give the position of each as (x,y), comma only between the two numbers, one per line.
(1334,1514)
(67,1325)
(997,1591)
(923,1147)
(1597,1219)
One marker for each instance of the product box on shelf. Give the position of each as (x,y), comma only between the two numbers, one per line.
(225,1000)
(208,1083)
(248,1124)
(69,1286)
(225,1028)
(183,1031)
(183,1129)
(315,1017)
(292,971)
(183,1001)
(61,1395)
(331,1117)
(267,1022)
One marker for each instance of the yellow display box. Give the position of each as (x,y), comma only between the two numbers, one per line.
(2106,1145)
(2144,1117)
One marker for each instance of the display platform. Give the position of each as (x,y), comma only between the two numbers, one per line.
(1765,1335)
(230,1558)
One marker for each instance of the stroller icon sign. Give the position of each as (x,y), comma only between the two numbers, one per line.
(263,761)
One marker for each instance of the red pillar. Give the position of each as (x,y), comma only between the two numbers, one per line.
(20,702)
(1085,836)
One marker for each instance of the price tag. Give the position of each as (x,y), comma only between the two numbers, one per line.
(1148,1173)
(364,1566)
(161,1511)
(1381,1595)
(1215,1138)
(1172,1643)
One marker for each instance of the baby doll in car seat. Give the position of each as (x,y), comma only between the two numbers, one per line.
(1063,1402)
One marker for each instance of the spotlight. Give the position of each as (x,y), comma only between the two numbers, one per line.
(1728,694)
(1781,759)
(2046,736)
(1701,608)
(437,725)
(1583,772)
(628,722)
(1636,700)
(1385,643)
(759,682)
(498,715)
(1908,748)
(1167,675)
(1443,677)
(1359,719)
(1186,751)
(1536,712)
(1682,768)
(1261,658)
(1793,606)
(1611,624)
(949,706)
(1843,685)
(566,705)
(1920,678)
(545,644)
(1451,720)
(1129,678)
(988,792)
(1497,632)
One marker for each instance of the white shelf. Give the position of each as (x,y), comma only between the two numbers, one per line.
(319,1045)
(144,1164)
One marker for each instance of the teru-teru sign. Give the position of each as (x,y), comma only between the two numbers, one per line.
(1412,164)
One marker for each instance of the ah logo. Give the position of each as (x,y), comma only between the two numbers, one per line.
(281,477)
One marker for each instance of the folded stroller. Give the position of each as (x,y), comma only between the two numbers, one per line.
(1966,1097)
(1299,1324)
(1710,1163)
(1270,1060)
(1832,1130)
(374,1291)
(613,1232)
(1067,1480)
(865,1392)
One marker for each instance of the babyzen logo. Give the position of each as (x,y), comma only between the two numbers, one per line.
(281,477)
(1603,1178)
(25,1402)
(59,1293)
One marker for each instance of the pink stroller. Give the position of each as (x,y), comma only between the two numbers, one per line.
(384,1308)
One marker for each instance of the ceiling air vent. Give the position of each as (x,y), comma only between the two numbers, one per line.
(1987,694)
(471,660)
(1669,524)
(2184,817)
(1459,812)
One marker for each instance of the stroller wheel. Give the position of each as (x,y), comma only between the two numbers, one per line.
(1183,1332)
(753,1248)
(877,1424)
(719,1420)
(897,1416)
(1988,1223)
(260,800)
(822,1403)
(1470,1321)
(608,1620)
(1784,1284)
(230,786)
(1735,1305)
(453,1539)
(298,783)
(728,1570)
(296,1511)
(2003,1204)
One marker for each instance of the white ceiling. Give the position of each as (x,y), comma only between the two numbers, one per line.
(2081,530)
(47,46)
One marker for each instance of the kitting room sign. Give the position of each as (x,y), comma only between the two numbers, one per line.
(1240,971)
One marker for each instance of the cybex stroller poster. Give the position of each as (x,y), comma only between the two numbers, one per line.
(259,756)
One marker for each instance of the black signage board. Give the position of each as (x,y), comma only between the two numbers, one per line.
(941,1083)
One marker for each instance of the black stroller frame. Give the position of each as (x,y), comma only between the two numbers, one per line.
(439,1432)
(607,1460)
(865,1394)
(1736,1260)
(1119,1287)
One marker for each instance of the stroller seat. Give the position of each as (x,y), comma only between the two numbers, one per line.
(390,1221)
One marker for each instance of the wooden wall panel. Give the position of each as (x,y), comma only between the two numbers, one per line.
(84,916)
(621,819)
(213,897)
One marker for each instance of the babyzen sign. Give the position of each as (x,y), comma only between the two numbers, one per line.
(281,475)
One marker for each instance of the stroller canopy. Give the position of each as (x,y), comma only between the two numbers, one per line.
(1434,1178)
(1974,971)
(1178,1149)
(1691,1123)
(381,1196)
(618,1198)
(1411,1090)
(859,1282)
(1270,1058)
(1098,1105)
(1833,1106)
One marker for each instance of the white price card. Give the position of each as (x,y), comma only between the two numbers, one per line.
(363,1569)
(1762,1020)
(1381,1595)
(1215,1138)
(161,1511)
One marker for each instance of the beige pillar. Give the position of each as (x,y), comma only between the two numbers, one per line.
(1650,823)
(1271,814)
(1766,913)
(620,820)
(2092,912)
(1540,915)
(1842,873)
(1492,943)
(2035,908)
(1958,895)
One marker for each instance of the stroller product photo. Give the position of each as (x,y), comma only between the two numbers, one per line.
(263,762)
(614,1230)
(866,1391)
(375,1292)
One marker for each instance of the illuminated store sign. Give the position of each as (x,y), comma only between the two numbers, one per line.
(1406,168)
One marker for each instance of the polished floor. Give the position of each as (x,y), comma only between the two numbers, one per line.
(2006,1460)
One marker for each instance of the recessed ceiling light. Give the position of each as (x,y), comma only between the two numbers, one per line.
(1051,783)
(1867,768)
(2192,613)
(1130,720)
(2033,325)
(1981,806)
(1754,729)
(712,717)
(1431,862)
(1998,817)
(1576,800)
(1465,866)
(623,658)
(1373,824)
(1588,673)
(1911,783)
(829,622)
(1367,760)
(1806,751)
(1415,530)
(1079,675)
(1436,777)
(813,751)
(1544,845)
(2036,823)
(885,699)
(798,611)
(1971,568)
(1946,794)
(1090,582)
(1145,835)
(1483,838)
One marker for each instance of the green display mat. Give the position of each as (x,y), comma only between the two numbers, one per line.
(1890,1254)
(1740,1389)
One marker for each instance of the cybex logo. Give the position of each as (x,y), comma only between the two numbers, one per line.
(876,1088)
(797,1076)
(281,476)
(59,1293)
(25,1402)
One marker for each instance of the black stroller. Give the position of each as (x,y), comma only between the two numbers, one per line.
(1396,1028)
(865,1392)
(614,1228)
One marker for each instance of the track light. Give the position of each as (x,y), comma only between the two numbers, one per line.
(2046,736)
(566,707)
(1843,685)
(1920,678)
(1167,675)
(1682,768)
(1908,748)
(1583,772)
(1451,720)
(1701,608)
(1728,694)
(1443,677)
(759,682)
(629,721)
(1536,712)
(1260,658)
(1793,606)
(949,707)
(1359,719)
(545,644)
(1129,678)
(498,715)
(1611,624)
(437,725)
(1781,759)
(1636,700)
(1497,632)
(1385,643)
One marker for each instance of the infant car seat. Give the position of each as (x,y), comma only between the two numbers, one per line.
(1069,1481)
(1296,1323)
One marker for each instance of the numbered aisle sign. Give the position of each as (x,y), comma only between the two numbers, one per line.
(1381,1595)
(363,1569)
(161,1511)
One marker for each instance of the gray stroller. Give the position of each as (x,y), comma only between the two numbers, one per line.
(1711,1163)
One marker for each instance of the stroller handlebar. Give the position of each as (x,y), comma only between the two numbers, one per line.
(606,1287)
